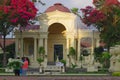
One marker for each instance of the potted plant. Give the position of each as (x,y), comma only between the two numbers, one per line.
(85,52)
(16,66)
(40,60)
(41,52)
(105,59)
(72,54)
(42,55)
(64,65)
(81,59)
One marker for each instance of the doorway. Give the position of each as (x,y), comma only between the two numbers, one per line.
(58,52)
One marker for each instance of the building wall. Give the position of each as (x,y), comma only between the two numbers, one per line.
(52,40)
(57,28)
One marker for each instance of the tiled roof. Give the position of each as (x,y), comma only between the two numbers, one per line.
(59,7)
(30,27)
(85,44)
(8,42)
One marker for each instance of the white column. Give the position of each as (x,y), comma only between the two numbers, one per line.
(97,42)
(21,47)
(45,46)
(16,47)
(35,51)
(92,48)
(79,47)
(93,42)
(40,42)
(67,51)
(72,42)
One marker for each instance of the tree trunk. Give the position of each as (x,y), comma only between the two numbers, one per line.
(4,51)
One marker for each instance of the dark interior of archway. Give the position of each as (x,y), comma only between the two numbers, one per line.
(56,28)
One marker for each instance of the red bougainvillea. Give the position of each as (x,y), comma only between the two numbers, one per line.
(92,15)
(12,13)
(105,15)
(111,2)
(17,11)
(103,12)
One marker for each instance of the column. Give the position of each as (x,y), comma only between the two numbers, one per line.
(79,47)
(67,51)
(92,49)
(35,51)
(45,46)
(72,43)
(40,42)
(16,47)
(21,47)
(93,42)
(97,42)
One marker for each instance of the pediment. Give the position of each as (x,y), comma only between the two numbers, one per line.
(56,14)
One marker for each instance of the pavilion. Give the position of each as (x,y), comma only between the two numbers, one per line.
(59,30)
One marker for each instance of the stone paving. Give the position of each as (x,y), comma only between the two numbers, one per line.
(59,78)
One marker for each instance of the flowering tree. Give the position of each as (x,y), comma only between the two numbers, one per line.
(105,16)
(12,13)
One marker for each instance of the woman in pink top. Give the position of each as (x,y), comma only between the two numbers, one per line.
(25,67)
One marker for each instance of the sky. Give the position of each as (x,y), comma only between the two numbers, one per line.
(67,3)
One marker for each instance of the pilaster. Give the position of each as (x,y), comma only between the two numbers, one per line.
(35,51)
(16,47)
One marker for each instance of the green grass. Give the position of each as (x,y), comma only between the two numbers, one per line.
(116,74)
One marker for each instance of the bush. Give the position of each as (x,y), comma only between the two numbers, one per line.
(116,74)
(75,70)
(8,55)
(16,64)
(63,61)
(2,70)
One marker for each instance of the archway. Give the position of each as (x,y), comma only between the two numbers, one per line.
(56,42)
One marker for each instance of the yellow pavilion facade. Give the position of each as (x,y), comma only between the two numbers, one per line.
(59,29)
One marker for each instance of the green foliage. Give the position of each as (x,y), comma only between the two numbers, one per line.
(108,23)
(106,59)
(34,0)
(81,58)
(98,53)
(15,64)
(74,10)
(74,66)
(12,15)
(42,55)
(85,52)
(40,60)
(63,61)
(106,56)
(8,55)
(119,60)
(116,74)
(39,2)
(72,51)
(1,58)
(2,70)
(102,57)
(41,50)
(11,49)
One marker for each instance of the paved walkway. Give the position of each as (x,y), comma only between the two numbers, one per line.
(53,77)
(36,76)
(59,78)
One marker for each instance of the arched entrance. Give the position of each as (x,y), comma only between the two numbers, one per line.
(56,42)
